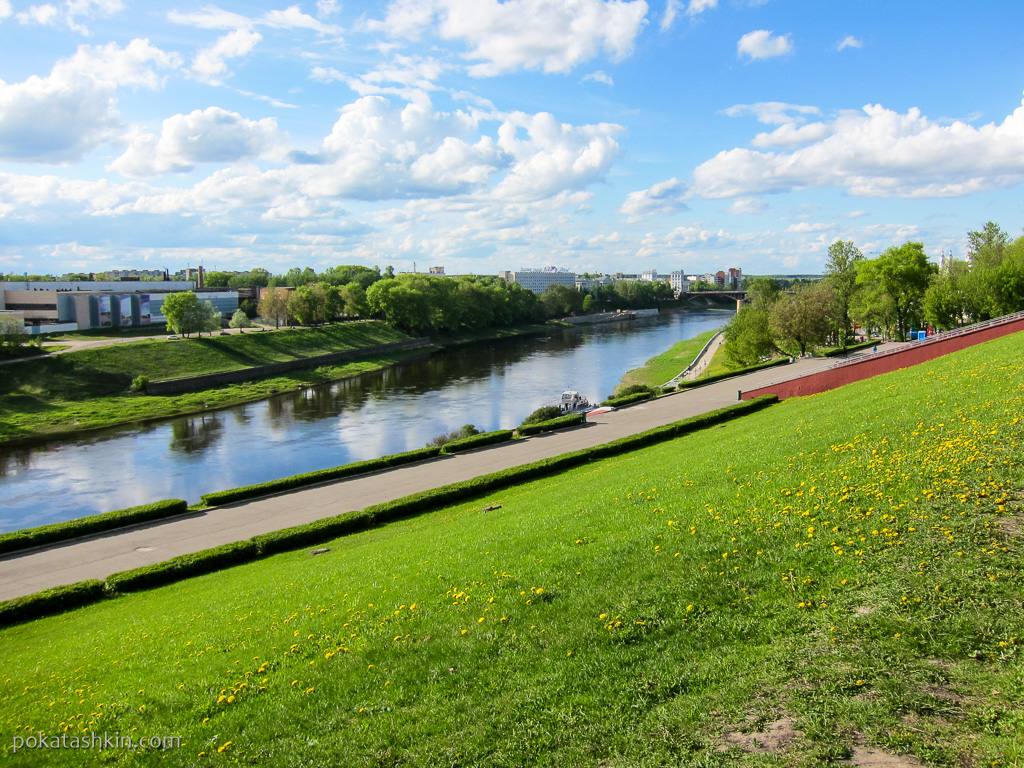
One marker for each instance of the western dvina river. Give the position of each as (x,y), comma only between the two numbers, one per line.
(492,385)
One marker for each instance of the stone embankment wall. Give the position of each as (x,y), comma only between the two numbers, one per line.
(904,357)
(205,381)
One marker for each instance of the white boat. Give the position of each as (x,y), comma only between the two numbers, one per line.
(573,402)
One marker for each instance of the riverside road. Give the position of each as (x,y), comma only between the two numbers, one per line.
(96,557)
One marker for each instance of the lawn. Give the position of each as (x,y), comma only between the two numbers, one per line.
(662,368)
(89,389)
(836,574)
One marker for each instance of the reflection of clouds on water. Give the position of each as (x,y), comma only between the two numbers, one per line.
(492,386)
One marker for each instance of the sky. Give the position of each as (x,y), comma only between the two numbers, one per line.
(481,135)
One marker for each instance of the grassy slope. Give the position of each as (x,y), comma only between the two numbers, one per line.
(834,560)
(87,389)
(661,368)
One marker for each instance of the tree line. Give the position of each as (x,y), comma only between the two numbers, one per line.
(888,296)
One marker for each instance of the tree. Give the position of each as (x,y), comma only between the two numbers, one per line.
(207,318)
(902,273)
(182,313)
(948,302)
(273,307)
(12,331)
(803,318)
(990,240)
(588,304)
(841,273)
(240,319)
(353,297)
(748,336)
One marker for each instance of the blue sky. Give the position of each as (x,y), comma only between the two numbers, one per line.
(483,135)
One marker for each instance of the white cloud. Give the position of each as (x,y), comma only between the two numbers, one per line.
(49,14)
(665,197)
(699,6)
(210,64)
(599,76)
(45,15)
(748,205)
(5,9)
(804,227)
(682,241)
(849,42)
(671,11)
(550,35)
(773,112)
(210,17)
(60,117)
(327,7)
(880,153)
(291,17)
(212,135)
(762,44)
(792,135)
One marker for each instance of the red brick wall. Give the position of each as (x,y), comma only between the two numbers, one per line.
(912,354)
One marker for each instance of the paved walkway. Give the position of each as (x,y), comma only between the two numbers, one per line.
(97,557)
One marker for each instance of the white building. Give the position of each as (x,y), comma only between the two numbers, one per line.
(678,281)
(537,280)
(649,276)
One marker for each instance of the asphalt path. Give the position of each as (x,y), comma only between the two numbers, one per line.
(96,557)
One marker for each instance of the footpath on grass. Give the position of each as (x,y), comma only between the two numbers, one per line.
(99,556)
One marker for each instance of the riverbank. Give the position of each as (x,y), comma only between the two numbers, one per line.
(579,599)
(459,339)
(660,368)
(84,391)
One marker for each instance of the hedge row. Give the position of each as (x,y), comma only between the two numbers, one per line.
(838,351)
(477,441)
(636,397)
(210,560)
(569,420)
(320,476)
(50,602)
(83,526)
(730,374)
(183,566)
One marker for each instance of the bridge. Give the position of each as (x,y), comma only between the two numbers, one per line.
(695,296)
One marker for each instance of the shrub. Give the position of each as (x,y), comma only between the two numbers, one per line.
(636,397)
(320,476)
(838,351)
(466,430)
(182,567)
(139,383)
(730,374)
(545,413)
(312,533)
(569,420)
(83,526)
(50,602)
(478,441)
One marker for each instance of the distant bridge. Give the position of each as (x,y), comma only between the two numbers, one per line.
(695,296)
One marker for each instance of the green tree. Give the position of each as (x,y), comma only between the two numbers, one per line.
(273,307)
(182,312)
(841,273)
(748,336)
(353,296)
(12,332)
(903,274)
(240,319)
(803,318)
(948,302)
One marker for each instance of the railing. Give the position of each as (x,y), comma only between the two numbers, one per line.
(945,336)
(695,361)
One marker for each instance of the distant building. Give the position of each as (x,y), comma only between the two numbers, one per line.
(537,280)
(437,271)
(588,284)
(678,281)
(649,276)
(735,278)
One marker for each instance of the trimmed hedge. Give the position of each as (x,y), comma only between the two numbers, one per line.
(183,566)
(730,374)
(569,420)
(838,351)
(477,441)
(83,526)
(320,476)
(50,602)
(312,533)
(616,402)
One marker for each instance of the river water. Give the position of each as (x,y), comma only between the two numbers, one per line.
(492,385)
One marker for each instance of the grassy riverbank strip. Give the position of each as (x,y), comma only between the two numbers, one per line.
(833,575)
(661,368)
(89,389)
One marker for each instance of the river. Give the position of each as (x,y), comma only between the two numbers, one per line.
(492,385)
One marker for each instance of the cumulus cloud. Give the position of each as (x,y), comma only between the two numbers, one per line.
(70,13)
(662,198)
(763,44)
(549,35)
(699,6)
(804,227)
(849,42)
(880,153)
(747,205)
(60,117)
(404,76)
(5,9)
(789,117)
(212,135)
(600,76)
(683,240)
(210,64)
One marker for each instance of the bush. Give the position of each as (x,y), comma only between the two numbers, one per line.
(50,602)
(478,441)
(320,476)
(838,351)
(569,420)
(183,567)
(636,397)
(634,389)
(83,526)
(545,413)
(312,533)
(730,374)
(139,383)
(466,430)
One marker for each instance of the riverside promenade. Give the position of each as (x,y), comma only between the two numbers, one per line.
(96,557)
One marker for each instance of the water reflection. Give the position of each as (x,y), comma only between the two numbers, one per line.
(490,385)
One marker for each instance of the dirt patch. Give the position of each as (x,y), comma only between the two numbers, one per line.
(864,610)
(775,737)
(867,757)
(1009,525)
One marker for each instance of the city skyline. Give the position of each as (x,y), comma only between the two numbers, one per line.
(491,135)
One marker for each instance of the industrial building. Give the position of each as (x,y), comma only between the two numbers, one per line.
(537,280)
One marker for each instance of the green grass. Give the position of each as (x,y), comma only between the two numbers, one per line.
(659,370)
(88,389)
(835,562)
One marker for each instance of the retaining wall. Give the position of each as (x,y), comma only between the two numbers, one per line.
(904,357)
(205,381)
